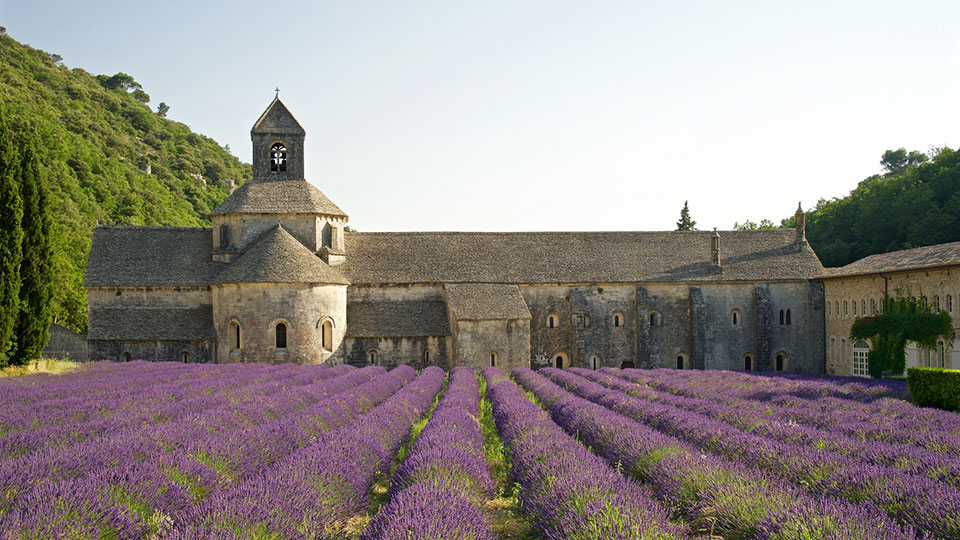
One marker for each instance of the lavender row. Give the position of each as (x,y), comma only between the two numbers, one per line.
(771,423)
(313,492)
(571,492)
(165,450)
(438,490)
(926,505)
(871,419)
(715,495)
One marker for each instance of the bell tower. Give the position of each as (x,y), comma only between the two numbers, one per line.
(277,144)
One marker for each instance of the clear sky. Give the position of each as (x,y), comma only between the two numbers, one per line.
(543,115)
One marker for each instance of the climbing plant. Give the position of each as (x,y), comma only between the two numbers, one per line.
(903,318)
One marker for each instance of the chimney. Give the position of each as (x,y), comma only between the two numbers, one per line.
(801,224)
(715,247)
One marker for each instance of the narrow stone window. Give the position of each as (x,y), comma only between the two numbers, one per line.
(127,357)
(617,320)
(781,362)
(493,359)
(235,334)
(185,357)
(560,360)
(551,321)
(836,307)
(656,318)
(426,356)
(736,318)
(747,363)
(846,311)
(833,350)
(595,362)
(863,307)
(224,235)
(843,351)
(873,306)
(372,354)
(782,318)
(936,303)
(829,309)
(326,335)
(278,157)
(788,317)
(681,362)
(626,365)
(949,304)
(281,335)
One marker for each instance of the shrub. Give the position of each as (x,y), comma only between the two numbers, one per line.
(935,387)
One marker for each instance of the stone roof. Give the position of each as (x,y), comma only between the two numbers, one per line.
(128,256)
(278,257)
(278,197)
(151,323)
(576,257)
(278,119)
(402,318)
(903,260)
(485,301)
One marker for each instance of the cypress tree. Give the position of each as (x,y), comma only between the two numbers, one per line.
(11,236)
(32,329)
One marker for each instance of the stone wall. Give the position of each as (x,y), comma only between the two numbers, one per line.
(509,340)
(152,351)
(261,157)
(65,344)
(417,352)
(867,291)
(148,296)
(257,308)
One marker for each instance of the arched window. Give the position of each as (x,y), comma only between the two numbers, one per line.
(788,317)
(782,318)
(873,306)
(748,362)
(863,307)
(656,318)
(372,355)
(833,350)
(836,307)
(736,318)
(127,357)
(854,308)
(281,335)
(224,235)
(681,361)
(780,363)
(326,335)
(278,157)
(618,320)
(846,310)
(936,303)
(185,357)
(843,351)
(426,356)
(594,362)
(551,320)
(949,304)
(493,359)
(560,361)
(861,351)
(235,334)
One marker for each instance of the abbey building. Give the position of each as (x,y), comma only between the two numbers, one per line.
(277,279)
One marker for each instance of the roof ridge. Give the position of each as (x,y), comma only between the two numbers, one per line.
(562,233)
(151,227)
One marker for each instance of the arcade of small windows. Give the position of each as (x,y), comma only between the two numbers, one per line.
(278,157)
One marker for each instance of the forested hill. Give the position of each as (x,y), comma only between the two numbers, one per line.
(107,156)
(917,203)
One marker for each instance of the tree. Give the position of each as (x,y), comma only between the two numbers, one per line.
(141,96)
(897,161)
(685,223)
(36,271)
(751,226)
(902,319)
(11,235)
(162,110)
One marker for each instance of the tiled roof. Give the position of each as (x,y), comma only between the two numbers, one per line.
(151,323)
(278,197)
(485,301)
(278,257)
(277,119)
(905,259)
(127,256)
(576,257)
(402,318)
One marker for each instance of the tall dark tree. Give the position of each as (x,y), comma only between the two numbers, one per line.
(36,270)
(11,235)
(685,223)
(163,109)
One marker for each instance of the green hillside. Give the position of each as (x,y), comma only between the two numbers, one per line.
(107,157)
(912,206)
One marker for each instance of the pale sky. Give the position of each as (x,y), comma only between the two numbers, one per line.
(542,115)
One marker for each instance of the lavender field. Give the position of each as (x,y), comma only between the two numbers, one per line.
(186,451)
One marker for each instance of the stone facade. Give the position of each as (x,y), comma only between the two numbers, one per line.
(852,292)
(277,279)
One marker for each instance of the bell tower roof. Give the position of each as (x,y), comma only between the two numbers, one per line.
(277,120)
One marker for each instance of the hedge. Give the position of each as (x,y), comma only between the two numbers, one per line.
(935,387)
